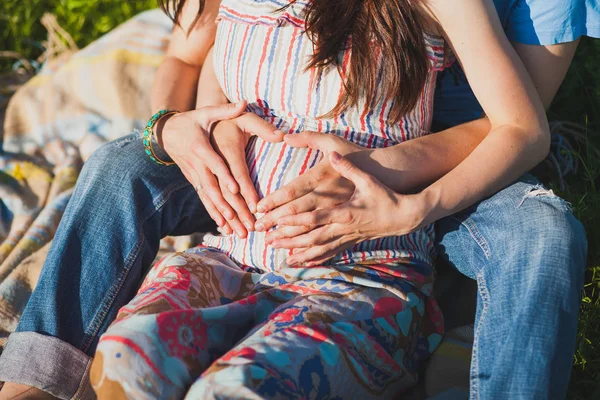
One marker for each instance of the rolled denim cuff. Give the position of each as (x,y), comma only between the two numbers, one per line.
(47,363)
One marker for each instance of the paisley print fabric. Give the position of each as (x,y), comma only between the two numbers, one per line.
(203,326)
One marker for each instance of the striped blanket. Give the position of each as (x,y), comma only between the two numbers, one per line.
(55,122)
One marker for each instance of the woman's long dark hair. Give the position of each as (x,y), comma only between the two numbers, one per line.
(392,29)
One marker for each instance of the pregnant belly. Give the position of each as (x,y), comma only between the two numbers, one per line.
(274,165)
(271,166)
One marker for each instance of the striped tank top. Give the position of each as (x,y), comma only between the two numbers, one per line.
(260,55)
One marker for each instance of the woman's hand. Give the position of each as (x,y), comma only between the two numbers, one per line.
(186,139)
(229,139)
(319,187)
(372,212)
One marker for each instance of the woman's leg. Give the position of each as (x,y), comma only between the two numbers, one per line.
(122,205)
(527,252)
(321,337)
(361,343)
(184,317)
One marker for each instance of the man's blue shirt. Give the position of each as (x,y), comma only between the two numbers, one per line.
(535,22)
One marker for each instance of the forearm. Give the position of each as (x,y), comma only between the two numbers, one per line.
(209,89)
(501,158)
(457,167)
(175,85)
(412,165)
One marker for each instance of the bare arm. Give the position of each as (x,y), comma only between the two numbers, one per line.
(176,80)
(518,139)
(437,154)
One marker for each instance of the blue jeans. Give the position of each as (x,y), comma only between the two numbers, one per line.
(122,205)
(527,253)
(520,249)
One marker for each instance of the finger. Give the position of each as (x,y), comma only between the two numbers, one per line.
(211,189)
(217,165)
(195,179)
(235,158)
(298,250)
(238,227)
(319,253)
(206,116)
(325,216)
(350,171)
(244,220)
(214,213)
(310,139)
(286,232)
(297,188)
(254,125)
(319,236)
(303,204)
(212,210)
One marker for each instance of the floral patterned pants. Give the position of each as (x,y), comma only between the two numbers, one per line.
(202,326)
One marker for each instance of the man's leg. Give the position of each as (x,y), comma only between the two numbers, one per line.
(527,252)
(122,205)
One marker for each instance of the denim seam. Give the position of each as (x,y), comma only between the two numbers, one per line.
(485,297)
(82,385)
(104,309)
(476,235)
(99,318)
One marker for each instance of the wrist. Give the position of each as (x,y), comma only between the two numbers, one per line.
(429,201)
(159,129)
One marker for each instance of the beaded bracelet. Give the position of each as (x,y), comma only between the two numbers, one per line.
(149,133)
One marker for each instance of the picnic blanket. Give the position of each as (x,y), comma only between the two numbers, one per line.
(55,122)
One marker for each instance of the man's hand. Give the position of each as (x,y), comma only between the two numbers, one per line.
(320,187)
(373,211)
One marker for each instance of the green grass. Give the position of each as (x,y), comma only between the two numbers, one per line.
(578,101)
(85,20)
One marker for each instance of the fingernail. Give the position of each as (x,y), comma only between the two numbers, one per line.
(275,244)
(261,208)
(252,207)
(227,229)
(336,157)
(241,233)
(248,225)
(290,260)
(259,226)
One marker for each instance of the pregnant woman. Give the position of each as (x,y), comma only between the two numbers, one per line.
(238,318)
